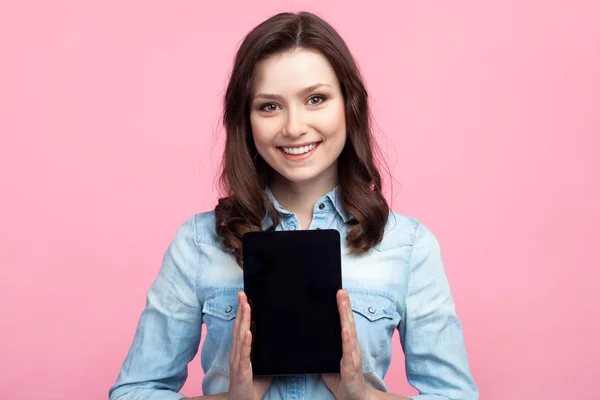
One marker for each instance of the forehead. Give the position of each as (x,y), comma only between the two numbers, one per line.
(291,71)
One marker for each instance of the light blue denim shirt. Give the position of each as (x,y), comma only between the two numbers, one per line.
(399,284)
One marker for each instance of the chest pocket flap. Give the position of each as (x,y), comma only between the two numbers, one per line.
(371,305)
(222,303)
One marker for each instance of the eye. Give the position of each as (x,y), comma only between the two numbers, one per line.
(316,99)
(268,107)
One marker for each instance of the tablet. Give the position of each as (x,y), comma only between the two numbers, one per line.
(291,279)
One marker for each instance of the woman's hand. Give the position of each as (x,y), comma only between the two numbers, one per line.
(349,384)
(242,385)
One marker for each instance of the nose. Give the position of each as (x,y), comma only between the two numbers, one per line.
(294,126)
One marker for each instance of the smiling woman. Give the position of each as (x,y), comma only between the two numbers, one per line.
(299,155)
(294,84)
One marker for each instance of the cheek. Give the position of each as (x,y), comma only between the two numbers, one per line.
(263,131)
(333,124)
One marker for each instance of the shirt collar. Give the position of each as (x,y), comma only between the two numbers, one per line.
(334,197)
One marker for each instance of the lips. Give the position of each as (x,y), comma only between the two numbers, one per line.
(298,150)
(299,153)
(292,147)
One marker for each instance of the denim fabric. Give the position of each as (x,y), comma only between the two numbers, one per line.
(399,284)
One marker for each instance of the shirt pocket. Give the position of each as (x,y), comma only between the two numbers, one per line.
(375,318)
(219,311)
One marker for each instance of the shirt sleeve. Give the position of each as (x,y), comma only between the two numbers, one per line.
(168,332)
(430,331)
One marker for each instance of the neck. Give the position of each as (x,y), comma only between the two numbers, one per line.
(301,197)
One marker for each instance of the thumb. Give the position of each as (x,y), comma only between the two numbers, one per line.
(262,385)
(331,381)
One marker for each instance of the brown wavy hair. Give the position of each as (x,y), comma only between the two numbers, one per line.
(245,174)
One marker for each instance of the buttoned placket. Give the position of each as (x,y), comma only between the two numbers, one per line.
(295,388)
(321,214)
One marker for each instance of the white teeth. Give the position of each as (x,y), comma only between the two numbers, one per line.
(299,150)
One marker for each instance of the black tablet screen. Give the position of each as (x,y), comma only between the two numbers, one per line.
(291,279)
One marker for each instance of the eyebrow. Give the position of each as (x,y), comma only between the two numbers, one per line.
(303,91)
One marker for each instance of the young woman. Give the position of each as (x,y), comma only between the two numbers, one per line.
(299,155)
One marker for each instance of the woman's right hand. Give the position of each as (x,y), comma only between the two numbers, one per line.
(242,385)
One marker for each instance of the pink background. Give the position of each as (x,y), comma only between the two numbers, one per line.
(489,113)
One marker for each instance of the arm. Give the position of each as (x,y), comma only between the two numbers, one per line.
(168,332)
(430,331)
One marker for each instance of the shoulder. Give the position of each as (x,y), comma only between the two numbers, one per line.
(200,228)
(403,230)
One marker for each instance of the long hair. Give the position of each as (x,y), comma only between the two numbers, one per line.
(244,173)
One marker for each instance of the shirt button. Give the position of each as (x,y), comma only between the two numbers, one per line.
(371,310)
(318,229)
(228,309)
(293,227)
(321,206)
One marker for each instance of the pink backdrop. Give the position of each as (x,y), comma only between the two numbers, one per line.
(489,113)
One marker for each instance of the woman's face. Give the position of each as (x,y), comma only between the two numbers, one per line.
(297,115)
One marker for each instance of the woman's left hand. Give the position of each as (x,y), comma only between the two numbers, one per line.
(349,384)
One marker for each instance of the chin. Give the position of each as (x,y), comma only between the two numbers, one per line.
(302,175)
(307,173)
(300,178)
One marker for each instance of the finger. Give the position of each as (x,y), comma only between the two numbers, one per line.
(343,322)
(347,350)
(238,316)
(244,327)
(349,310)
(347,321)
(351,324)
(350,347)
(351,359)
(243,297)
(245,351)
(245,320)
(342,308)
(240,330)
(234,334)
(339,296)
(352,338)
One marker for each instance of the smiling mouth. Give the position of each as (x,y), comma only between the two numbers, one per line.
(299,153)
